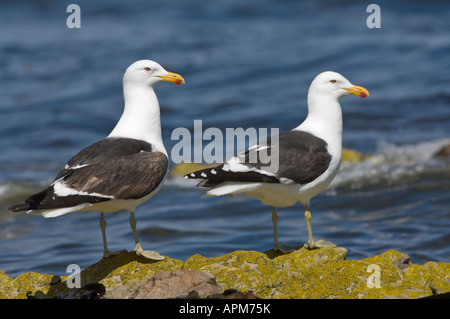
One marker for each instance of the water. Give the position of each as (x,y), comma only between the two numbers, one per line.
(246,65)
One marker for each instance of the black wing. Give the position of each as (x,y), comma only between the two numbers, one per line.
(114,168)
(104,150)
(300,157)
(123,177)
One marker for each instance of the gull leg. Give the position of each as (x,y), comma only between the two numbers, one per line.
(275,231)
(106,252)
(276,247)
(138,249)
(311,244)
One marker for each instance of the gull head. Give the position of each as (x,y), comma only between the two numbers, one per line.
(335,85)
(149,73)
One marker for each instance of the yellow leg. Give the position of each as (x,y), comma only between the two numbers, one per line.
(311,244)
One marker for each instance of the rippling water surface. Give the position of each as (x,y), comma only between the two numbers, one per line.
(246,64)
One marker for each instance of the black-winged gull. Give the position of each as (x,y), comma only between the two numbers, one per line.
(120,172)
(308,157)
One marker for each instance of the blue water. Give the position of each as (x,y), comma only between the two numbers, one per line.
(246,64)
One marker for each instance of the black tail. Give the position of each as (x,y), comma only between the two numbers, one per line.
(19,207)
(213,176)
(30,203)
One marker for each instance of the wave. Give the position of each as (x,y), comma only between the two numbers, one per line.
(393,165)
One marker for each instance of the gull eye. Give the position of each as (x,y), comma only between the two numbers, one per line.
(333,81)
(147,69)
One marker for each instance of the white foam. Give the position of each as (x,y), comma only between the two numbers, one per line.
(391,165)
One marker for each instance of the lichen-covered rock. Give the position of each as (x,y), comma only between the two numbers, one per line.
(169,284)
(323,273)
(122,269)
(126,269)
(5,278)
(320,273)
(242,270)
(388,257)
(27,282)
(435,275)
(297,260)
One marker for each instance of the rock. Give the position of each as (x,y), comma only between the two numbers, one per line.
(320,273)
(4,278)
(126,269)
(24,283)
(234,294)
(170,284)
(121,269)
(350,155)
(388,257)
(443,152)
(435,275)
(403,262)
(87,291)
(242,270)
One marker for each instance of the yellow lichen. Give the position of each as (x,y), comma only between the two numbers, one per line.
(320,273)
